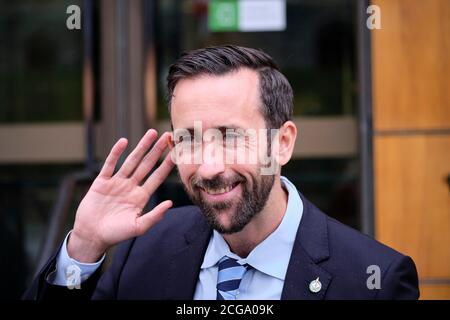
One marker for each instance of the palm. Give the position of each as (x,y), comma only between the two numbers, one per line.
(114,204)
(111,211)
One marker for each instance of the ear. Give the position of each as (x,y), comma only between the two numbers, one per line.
(170,141)
(286,139)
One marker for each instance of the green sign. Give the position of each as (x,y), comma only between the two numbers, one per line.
(246,15)
(223,15)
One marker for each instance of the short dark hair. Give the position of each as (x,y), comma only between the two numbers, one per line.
(276,92)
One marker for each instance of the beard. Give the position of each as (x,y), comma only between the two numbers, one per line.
(252,200)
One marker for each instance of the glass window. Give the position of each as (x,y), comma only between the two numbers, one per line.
(40,62)
(315,52)
(40,81)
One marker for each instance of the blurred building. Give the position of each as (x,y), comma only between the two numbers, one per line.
(372,107)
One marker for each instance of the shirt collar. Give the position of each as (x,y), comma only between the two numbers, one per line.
(272,255)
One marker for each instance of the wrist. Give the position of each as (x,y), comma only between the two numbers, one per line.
(84,250)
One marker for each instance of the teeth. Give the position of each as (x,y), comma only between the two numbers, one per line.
(218,191)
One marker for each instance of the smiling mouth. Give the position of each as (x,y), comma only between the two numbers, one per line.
(222,190)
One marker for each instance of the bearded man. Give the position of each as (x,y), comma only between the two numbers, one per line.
(251,233)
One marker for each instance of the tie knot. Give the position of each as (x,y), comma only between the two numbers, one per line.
(227,262)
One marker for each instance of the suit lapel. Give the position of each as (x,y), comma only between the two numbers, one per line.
(310,248)
(185,264)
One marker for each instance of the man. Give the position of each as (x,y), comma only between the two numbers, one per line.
(251,235)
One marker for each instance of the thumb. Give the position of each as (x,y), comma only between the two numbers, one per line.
(146,221)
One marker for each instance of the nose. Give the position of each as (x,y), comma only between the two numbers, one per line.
(212,163)
(209,171)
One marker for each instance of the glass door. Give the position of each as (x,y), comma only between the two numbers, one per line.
(316,51)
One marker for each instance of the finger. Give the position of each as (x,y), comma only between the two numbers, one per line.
(136,155)
(159,175)
(149,219)
(114,155)
(149,161)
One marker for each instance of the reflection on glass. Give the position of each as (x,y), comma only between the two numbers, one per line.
(315,52)
(40,62)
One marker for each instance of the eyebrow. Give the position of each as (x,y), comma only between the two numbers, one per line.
(220,128)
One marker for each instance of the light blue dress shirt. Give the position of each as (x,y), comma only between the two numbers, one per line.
(269,259)
(67,268)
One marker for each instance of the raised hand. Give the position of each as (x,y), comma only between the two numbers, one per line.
(111,211)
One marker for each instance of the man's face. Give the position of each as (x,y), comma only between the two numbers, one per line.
(229,193)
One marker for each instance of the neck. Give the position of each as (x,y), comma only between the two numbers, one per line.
(262,225)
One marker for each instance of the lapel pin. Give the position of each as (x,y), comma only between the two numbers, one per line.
(315,286)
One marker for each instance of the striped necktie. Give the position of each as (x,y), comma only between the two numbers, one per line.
(229,278)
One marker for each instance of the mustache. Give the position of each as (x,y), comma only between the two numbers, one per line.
(216,182)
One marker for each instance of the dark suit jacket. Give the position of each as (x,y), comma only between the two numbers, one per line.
(165,263)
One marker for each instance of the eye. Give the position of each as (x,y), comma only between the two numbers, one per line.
(232,135)
(183,139)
